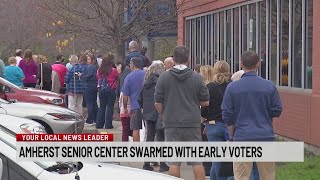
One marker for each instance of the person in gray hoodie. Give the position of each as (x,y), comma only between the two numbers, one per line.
(150,114)
(178,96)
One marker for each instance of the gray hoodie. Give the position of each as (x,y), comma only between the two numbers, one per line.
(180,92)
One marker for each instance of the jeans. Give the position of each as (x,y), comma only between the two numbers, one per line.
(254,172)
(107,101)
(90,96)
(215,132)
(152,132)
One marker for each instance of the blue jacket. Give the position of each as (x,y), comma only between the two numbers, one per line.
(250,104)
(72,79)
(132,55)
(90,76)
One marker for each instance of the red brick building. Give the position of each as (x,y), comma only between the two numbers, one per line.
(286,36)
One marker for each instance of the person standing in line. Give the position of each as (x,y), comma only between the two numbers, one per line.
(207,73)
(217,81)
(84,65)
(131,89)
(248,108)
(13,73)
(134,52)
(255,173)
(150,114)
(125,119)
(44,73)
(59,59)
(30,69)
(99,60)
(143,52)
(75,88)
(18,56)
(107,83)
(2,66)
(168,63)
(61,71)
(91,82)
(180,109)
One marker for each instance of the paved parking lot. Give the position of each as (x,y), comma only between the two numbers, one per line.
(186,171)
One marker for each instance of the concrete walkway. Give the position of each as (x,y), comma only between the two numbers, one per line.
(186,171)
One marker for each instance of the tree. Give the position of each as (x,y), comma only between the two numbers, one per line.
(107,24)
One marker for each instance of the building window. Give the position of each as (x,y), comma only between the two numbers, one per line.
(236,48)
(280,31)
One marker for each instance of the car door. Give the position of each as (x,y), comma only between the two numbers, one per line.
(4,173)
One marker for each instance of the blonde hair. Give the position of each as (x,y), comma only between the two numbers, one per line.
(157,67)
(221,70)
(207,73)
(41,59)
(12,60)
(73,59)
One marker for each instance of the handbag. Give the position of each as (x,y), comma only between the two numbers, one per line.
(104,86)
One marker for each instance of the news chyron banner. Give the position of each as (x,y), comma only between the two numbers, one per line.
(101,148)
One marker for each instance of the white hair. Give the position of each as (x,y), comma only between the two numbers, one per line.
(133,45)
(237,75)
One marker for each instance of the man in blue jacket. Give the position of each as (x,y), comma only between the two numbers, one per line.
(134,52)
(248,108)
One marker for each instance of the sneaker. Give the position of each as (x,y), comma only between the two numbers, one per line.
(148,167)
(163,167)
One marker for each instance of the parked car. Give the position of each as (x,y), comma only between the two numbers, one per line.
(55,119)
(18,125)
(13,93)
(11,169)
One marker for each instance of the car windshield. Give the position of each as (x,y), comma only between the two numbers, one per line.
(4,81)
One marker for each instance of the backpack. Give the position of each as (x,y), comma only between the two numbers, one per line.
(104,86)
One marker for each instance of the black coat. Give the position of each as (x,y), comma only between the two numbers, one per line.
(147,98)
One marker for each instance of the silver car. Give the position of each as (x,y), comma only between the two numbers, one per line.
(20,125)
(55,119)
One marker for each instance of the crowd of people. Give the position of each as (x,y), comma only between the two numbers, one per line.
(173,101)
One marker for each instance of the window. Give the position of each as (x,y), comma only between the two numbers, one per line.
(262,37)
(297,44)
(308,80)
(221,35)
(273,42)
(284,43)
(244,29)
(228,38)
(236,44)
(280,31)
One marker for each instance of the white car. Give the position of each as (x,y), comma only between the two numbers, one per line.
(55,119)
(19,125)
(11,169)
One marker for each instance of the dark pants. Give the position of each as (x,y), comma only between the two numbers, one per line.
(126,132)
(32,85)
(107,101)
(47,86)
(90,96)
(153,132)
(207,165)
